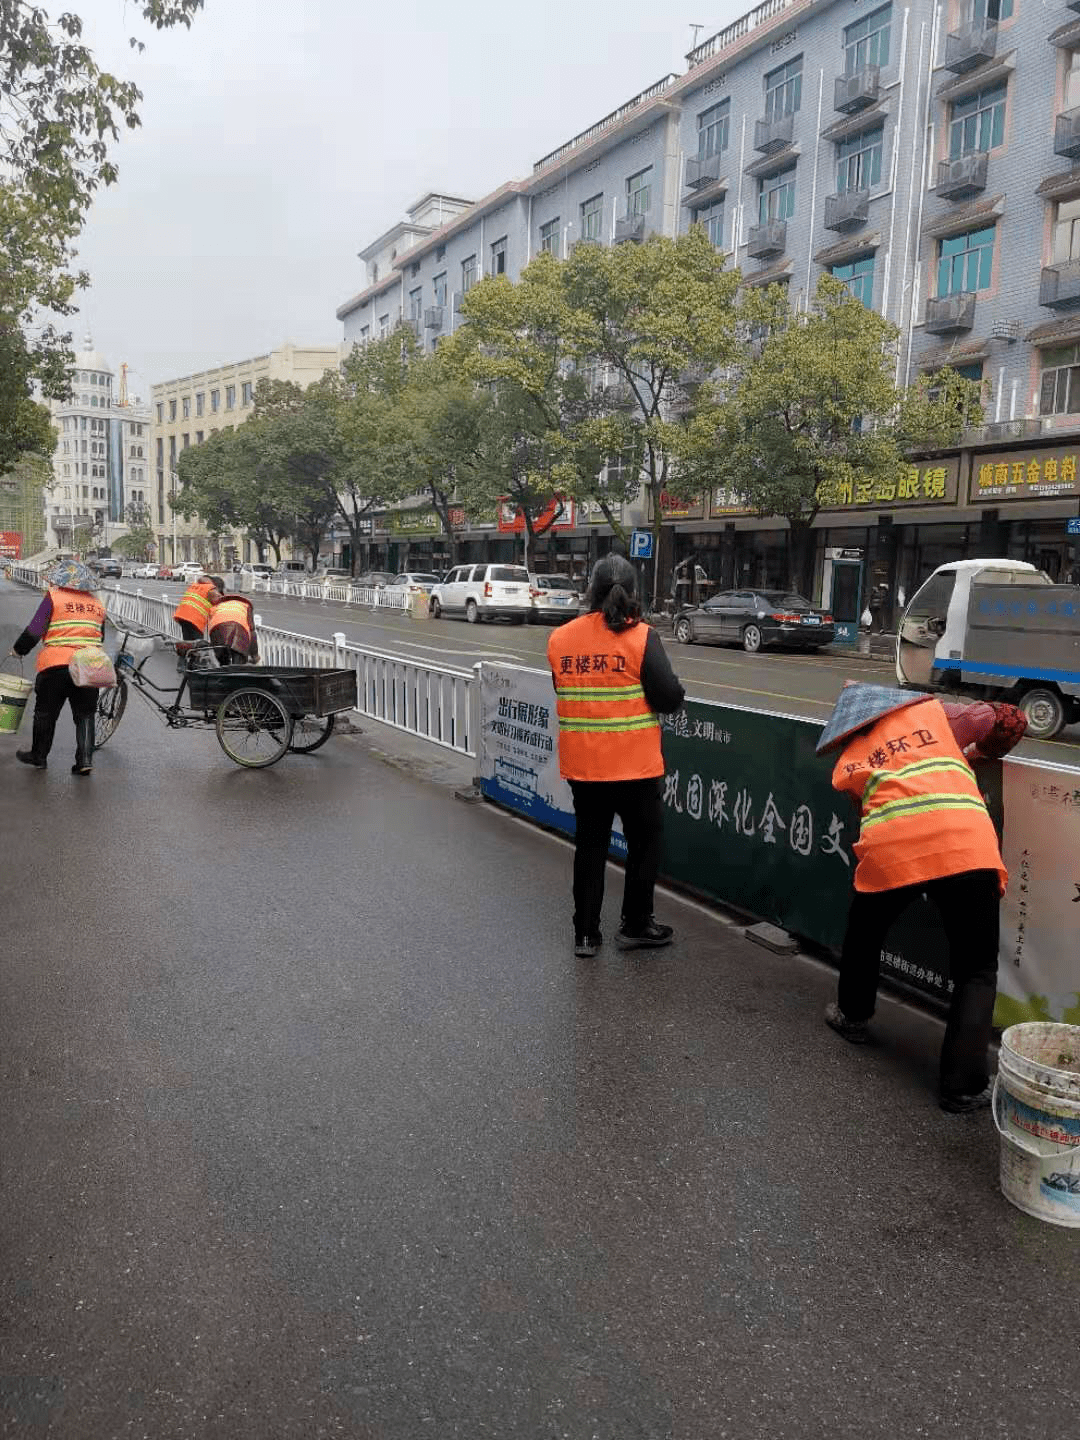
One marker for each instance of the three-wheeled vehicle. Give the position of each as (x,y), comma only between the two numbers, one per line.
(996,630)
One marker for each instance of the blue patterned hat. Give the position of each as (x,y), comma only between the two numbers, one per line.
(860,705)
(73,575)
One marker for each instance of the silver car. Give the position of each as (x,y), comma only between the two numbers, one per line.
(554,598)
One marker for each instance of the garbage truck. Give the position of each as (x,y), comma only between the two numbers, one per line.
(996,630)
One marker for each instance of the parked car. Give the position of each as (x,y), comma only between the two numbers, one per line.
(292,569)
(414,582)
(554,597)
(754,619)
(108,569)
(147,571)
(374,579)
(164,572)
(328,572)
(484,592)
(255,568)
(188,571)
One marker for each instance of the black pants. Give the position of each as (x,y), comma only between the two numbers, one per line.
(52,688)
(638,804)
(969,904)
(189,630)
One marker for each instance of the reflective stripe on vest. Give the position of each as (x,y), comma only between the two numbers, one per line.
(75,624)
(195,605)
(922,818)
(230,612)
(607,731)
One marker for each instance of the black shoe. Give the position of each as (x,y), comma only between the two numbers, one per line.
(965,1104)
(855,1032)
(586,946)
(29,758)
(649,936)
(81,769)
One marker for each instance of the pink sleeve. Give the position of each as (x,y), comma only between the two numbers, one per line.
(969,723)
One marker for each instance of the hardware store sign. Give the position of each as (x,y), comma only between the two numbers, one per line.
(1025,475)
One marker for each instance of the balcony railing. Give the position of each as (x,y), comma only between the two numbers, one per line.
(433,317)
(702,170)
(966,175)
(770,135)
(629,228)
(412,322)
(1067,134)
(970,46)
(946,313)
(857,91)
(762,241)
(1060,284)
(847,210)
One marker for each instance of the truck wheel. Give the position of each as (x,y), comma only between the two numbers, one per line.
(1045,711)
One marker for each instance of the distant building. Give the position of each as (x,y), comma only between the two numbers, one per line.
(189,410)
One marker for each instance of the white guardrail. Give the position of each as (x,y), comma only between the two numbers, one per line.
(434,702)
(345,593)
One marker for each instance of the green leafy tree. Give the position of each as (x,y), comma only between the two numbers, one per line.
(60,114)
(300,450)
(224,483)
(814,408)
(139,542)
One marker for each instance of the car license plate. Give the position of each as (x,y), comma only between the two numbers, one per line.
(562,599)
(811,620)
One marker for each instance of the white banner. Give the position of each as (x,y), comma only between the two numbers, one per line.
(1039,976)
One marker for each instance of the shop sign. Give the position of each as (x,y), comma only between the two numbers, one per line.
(414,522)
(483,519)
(11,544)
(932,482)
(557,514)
(1025,475)
(672,508)
(725,502)
(590,513)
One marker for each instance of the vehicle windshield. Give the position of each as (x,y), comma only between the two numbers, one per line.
(785,600)
(556,582)
(423,578)
(509,572)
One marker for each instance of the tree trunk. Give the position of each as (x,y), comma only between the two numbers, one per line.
(801,557)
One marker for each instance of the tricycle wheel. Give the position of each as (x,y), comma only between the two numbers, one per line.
(110,709)
(309,732)
(253,728)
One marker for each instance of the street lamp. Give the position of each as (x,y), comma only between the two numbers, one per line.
(173,478)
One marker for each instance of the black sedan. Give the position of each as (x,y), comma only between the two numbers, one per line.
(754,619)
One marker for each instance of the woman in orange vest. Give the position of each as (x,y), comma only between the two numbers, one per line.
(193,612)
(70,618)
(612,677)
(232,631)
(925,829)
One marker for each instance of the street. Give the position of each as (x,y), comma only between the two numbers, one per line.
(312,1126)
(789,683)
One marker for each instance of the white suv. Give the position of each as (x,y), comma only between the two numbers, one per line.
(187,572)
(484,592)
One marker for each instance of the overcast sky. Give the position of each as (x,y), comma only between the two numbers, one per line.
(279,136)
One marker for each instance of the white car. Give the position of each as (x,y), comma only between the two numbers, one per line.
(145,572)
(188,572)
(484,592)
(554,597)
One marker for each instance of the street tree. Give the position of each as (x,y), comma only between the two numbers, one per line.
(224,483)
(299,447)
(813,411)
(138,543)
(60,116)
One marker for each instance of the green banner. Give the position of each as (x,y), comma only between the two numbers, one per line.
(413,522)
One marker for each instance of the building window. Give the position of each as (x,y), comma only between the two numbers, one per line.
(200,401)
(858,276)
(966,262)
(977,121)
(713,126)
(712,217)
(858,161)
(160,412)
(639,192)
(776,196)
(365,334)
(549,237)
(172,452)
(384,326)
(230,397)
(1067,231)
(994,10)
(867,41)
(215,401)
(416,303)
(1059,388)
(438,286)
(592,215)
(186,440)
(186,407)
(198,437)
(783,90)
(440,253)
(498,257)
(172,410)
(247,393)
(468,273)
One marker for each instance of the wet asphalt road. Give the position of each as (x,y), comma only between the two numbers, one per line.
(790,684)
(312,1126)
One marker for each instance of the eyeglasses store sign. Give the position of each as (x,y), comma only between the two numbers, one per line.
(1025,475)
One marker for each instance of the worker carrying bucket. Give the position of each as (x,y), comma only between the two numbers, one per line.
(925,829)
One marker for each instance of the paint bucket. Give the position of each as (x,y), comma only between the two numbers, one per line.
(14,693)
(1037,1114)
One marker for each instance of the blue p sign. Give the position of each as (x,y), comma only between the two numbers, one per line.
(641,542)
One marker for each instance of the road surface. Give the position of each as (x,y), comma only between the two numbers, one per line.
(312,1126)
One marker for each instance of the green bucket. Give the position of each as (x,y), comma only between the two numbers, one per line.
(14,693)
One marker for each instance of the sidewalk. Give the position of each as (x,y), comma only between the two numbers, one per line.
(320,1130)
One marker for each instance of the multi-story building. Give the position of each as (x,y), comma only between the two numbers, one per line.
(102,456)
(928,155)
(187,411)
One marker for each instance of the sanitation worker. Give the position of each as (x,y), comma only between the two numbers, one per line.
(193,612)
(612,678)
(70,618)
(925,829)
(231,630)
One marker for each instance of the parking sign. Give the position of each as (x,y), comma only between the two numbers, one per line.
(641,545)
(1072,527)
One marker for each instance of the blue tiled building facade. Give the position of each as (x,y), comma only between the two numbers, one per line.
(926,154)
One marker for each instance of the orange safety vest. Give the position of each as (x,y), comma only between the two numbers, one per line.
(922,814)
(77,620)
(195,605)
(231,612)
(606,729)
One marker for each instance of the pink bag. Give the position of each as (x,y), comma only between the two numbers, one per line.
(92,668)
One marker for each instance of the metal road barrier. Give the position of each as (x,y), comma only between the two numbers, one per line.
(364,596)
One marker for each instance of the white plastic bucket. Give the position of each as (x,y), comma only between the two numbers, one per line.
(1037,1114)
(14,693)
